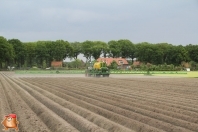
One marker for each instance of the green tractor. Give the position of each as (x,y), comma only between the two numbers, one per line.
(97,69)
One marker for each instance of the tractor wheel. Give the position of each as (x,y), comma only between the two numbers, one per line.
(97,75)
(105,75)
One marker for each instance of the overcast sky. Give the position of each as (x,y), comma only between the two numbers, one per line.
(154,21)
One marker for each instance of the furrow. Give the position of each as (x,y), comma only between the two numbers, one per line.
(90,99)
(157,123)
(75,120)
(27,119)
(127,122)
(134,96)
(99,120)
(54,122)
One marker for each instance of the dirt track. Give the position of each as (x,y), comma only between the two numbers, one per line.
(118,104)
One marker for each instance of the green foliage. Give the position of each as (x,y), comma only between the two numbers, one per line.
(161,53)
(176,55)
(76,64)
(149,53)
(161,56)
(46,51)
(59,50)
(127,48)
(192,52)
(19,51)
(193,65)
(41,52)
(87,49)
(7,53)
(76,50)
(114,48)
(160,67)
(98,48)
(121,48)
(30,53)
(113,65)
(94,49)
(44,64)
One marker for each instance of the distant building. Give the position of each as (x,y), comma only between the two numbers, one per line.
(136,63)
(121,62)
(56,64)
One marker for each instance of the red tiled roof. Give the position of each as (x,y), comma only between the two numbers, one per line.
(119,61)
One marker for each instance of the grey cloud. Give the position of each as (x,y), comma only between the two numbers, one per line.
(76,20)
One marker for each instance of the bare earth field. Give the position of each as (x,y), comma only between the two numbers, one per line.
(121,103)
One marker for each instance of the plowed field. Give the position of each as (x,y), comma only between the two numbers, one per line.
(79,104)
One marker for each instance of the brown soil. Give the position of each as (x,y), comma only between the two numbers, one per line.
(120,103)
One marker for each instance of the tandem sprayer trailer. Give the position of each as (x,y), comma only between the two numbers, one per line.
(98,69)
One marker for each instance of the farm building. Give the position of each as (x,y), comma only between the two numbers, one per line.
(121,62)
(56,64)
(136,63)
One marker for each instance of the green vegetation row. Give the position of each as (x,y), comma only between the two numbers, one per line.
(82,72)
(19,54)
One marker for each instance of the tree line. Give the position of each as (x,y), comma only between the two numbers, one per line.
(13,52)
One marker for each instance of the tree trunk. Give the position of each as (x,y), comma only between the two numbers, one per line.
(0,65)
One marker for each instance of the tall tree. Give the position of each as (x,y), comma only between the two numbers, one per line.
(193,52)
(127,48)
(19,50)
(177,54)
(77,49)
(50,51)
(98,48)
(30,48)
(41,52)
(163,48)
(114,48)
(87,49)
(69,49)
(143,52)
(59,48)
(157,54)
(6,52)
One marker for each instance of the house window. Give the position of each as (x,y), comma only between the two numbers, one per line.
(121,62)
